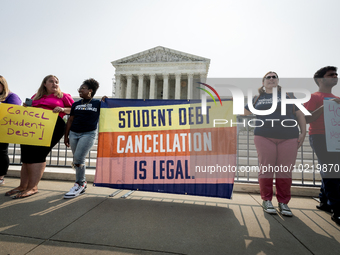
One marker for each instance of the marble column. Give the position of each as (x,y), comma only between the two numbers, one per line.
(165,86)
(152,94)
(129,86)
(118,84)
(140,86)
(178,86)
(203,79)
(190,86)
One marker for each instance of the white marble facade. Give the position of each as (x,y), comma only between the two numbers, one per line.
(159,73)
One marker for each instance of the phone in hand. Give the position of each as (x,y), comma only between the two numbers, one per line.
(28,102)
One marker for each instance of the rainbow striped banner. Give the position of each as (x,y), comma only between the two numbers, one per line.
(166,146)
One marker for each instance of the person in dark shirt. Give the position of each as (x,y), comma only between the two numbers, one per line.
(326,78)
(6,96)
(81,131)
(276,143)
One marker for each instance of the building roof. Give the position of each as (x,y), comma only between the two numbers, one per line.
(159,54)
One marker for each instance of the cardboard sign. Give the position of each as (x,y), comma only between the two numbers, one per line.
(26,125)
(332,125)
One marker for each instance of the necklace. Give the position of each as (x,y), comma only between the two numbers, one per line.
(82,102)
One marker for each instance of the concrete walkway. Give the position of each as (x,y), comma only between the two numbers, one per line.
(155,223)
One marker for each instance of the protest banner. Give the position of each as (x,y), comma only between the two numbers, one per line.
(332,125)
(166,146)
(26,125)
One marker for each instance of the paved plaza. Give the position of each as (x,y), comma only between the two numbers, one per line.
(156,223)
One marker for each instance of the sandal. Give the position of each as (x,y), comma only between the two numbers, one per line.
(13,192)
(23,195)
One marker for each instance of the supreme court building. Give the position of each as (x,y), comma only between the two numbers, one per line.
(159,73)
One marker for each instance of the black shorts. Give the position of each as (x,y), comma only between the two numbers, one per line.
(4,160)
(37,154)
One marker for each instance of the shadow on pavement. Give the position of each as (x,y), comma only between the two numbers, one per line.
(47,223)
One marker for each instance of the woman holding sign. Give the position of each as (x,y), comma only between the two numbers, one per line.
(33,158)
(277,140)
(6,96)
(81,131)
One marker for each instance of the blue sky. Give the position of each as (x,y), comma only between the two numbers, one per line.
(78,39)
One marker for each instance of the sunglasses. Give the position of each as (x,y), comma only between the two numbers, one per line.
(268,77)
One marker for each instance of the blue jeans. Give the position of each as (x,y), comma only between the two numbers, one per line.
(81,144)
(330,187)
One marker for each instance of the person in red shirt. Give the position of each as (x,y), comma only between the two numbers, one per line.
(326,78)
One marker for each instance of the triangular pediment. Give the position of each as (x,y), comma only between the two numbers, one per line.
(160,54)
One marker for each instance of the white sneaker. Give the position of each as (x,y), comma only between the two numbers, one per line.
(284,210)
(85,187)
(76,190)
(268,207)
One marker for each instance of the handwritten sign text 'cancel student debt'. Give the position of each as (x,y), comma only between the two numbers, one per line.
(26,125)
(332,125)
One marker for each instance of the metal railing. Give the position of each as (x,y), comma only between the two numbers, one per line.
(61,156)
(305,174)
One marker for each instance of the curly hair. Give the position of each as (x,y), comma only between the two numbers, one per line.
(91,84)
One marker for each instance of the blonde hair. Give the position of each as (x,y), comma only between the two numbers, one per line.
(42,89)
(261,89)
(5,91)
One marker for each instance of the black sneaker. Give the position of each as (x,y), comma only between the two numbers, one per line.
(336,218)
(324,207)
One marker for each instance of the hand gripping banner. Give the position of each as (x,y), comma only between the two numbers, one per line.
(166,146)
